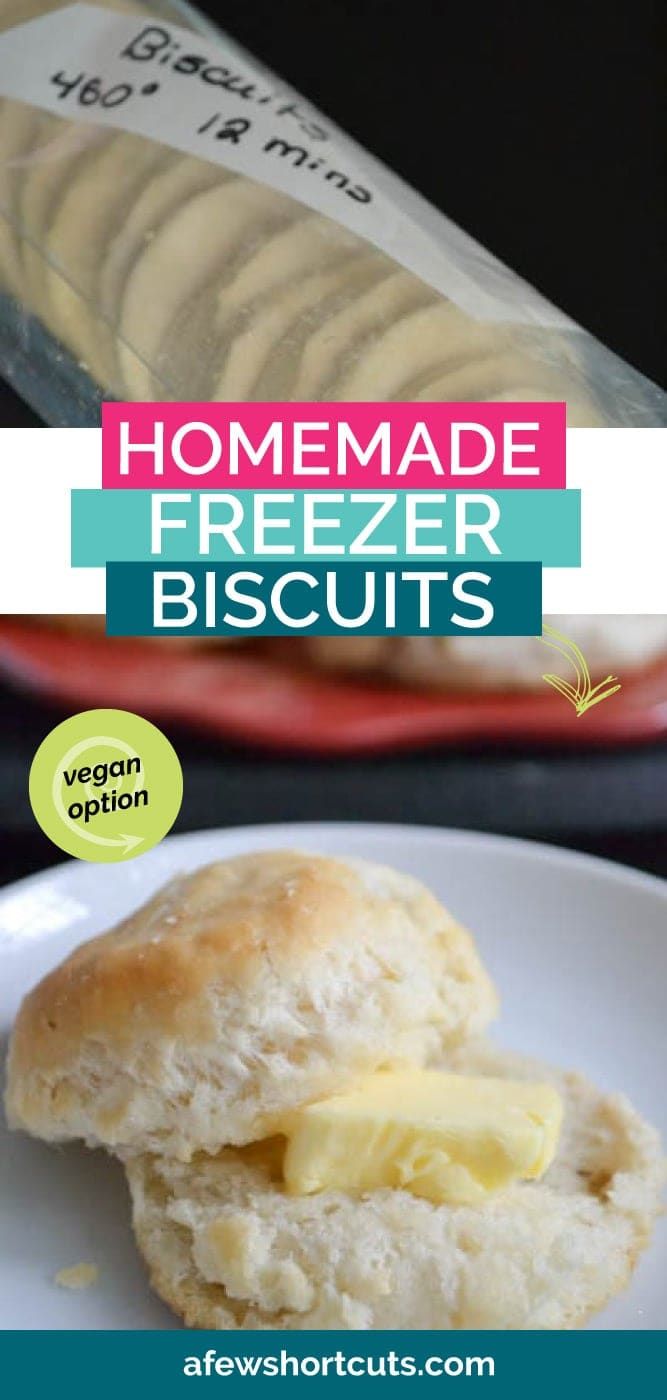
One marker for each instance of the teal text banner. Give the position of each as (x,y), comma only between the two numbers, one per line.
(118,525)
(257,599)
(501,1365)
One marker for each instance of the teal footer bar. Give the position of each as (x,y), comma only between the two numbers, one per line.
(509,1364)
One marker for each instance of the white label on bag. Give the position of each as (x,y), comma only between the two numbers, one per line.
(198,96)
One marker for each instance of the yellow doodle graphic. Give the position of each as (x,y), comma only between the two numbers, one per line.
(583,695)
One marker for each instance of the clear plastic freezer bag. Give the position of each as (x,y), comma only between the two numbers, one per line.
(286,264)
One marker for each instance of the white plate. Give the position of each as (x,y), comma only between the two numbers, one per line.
(578,948)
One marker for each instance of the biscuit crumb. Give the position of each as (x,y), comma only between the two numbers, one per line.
(77,1276)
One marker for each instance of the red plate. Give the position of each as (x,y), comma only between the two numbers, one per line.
(247,696)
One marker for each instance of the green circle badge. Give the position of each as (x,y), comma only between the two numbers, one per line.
(105,785)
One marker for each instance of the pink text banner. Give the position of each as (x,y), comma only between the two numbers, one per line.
(265,446)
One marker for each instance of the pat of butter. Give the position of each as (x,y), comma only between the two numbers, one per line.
(447,1137)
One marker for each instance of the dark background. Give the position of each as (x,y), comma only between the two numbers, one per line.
(611,803)
(537,127)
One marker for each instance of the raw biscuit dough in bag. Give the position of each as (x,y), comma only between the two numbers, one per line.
(166,276)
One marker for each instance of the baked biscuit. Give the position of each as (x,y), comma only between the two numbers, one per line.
(611,644)
(241,991)
(227,1247)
